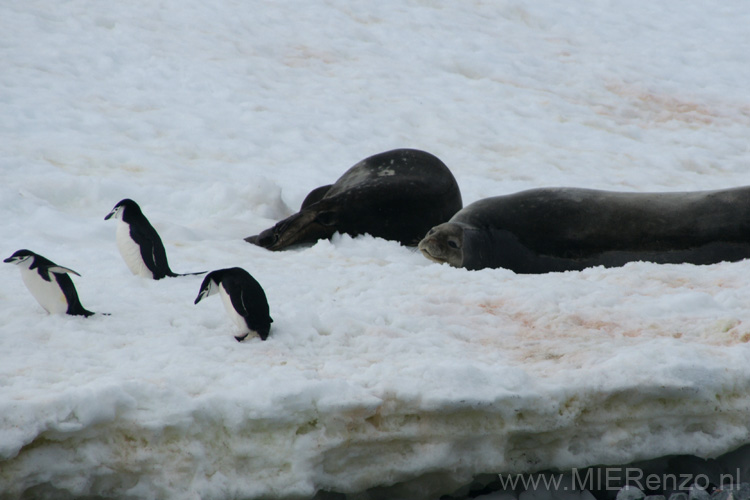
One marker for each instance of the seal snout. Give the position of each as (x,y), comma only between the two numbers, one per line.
(285,233)
(430,248)
(266,239)
(444,244)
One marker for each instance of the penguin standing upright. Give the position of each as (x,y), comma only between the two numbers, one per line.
(139,243)
(49,283)
(243,298)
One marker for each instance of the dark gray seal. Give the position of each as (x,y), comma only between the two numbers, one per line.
(562,229)
(397,195)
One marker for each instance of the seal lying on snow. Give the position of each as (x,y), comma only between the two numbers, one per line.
(561,229)
(397,195)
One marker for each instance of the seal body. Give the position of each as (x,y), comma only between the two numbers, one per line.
(139,244)
(49,283)
(397,195)
(561,229)
(244,300)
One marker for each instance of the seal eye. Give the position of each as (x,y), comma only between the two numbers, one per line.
(266,240)
(453,244)
(326,218)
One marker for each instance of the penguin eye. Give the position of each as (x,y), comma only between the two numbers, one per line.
(326,218)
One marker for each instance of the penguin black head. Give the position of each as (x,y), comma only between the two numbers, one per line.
(126,205)
(210,286)
(243,297)
(20,256)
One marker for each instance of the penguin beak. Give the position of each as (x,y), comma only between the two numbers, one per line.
(109,215)
(201,296)
(14,259)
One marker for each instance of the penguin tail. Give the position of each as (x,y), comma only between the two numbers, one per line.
(175,275)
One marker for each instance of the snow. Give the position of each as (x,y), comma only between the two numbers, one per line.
(382,367)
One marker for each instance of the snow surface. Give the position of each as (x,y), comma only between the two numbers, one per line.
(382,367)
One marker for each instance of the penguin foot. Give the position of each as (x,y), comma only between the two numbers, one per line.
(241,338)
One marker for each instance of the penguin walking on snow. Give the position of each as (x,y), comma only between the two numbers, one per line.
(139,243)
(49,283)
(243,298)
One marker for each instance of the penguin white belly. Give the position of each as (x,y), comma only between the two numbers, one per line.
(238,320)
(130,251)
(47,293)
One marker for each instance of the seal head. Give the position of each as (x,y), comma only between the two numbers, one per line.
(444,244)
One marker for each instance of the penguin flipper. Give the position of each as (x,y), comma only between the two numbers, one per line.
(235,290)
(153,253)
(160,259)
(152,250)
(61,270)
(75,308)
(150,254)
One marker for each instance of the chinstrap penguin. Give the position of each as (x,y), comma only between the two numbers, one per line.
(49,283)
(243,298)
(139,243)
